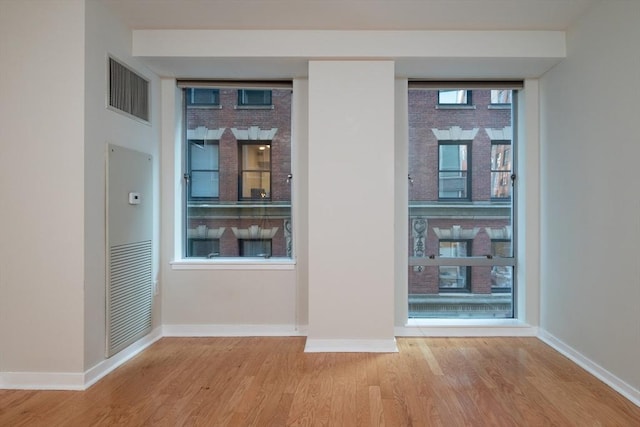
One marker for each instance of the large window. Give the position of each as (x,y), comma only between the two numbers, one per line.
(461,200)
(453,174)
(237,170)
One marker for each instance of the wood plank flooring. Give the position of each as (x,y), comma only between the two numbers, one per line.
(272,382)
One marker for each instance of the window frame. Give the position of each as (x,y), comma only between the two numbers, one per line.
(468,102)
(243,98)
(190,247)
(504,104)
(189,171)
(241,248)
(502,289)
(241,170)
(509,171)
(467,269)
(190,96)
(468,180)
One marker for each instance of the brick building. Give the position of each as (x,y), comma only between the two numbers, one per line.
(238,164)
(460,167)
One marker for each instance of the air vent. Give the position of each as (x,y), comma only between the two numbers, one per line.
(128,91)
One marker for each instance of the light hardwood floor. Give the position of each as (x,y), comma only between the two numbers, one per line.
(272,382)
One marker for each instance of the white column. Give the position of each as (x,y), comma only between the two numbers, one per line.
(351,206)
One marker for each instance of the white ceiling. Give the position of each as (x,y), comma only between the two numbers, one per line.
(351,14)
(348,15)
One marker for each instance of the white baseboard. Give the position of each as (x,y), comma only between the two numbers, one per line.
(42,380)
(75,380)
(220,330)
(593,368)
(466,328)
(350,346)
(103,368)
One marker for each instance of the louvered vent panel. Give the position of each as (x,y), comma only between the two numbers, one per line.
(128,91)
(130,294)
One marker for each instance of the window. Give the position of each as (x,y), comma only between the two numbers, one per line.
(236,164)
(454,97)
(454,278)
(461,251)
(255,248)
(202,171)
(254,97)
(255,177)
(203,248)
(501,96)
(203,97)
(453,176)
(501,276)
(500,169)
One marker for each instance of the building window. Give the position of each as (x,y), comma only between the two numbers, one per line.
(453,175)
(500,169)
(454,97)
(202,97)
(501,276)
(501,96)
(203,170)
(255,248)
(251,97)
(255,176)
(202,247)
(454,278)
(236,164)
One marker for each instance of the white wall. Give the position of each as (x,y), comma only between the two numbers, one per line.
(351,165)
(107,35)
(41,186)
(590,266)
(205,301)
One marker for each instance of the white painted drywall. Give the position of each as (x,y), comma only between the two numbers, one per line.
(213,298)
(42,186)
(590,210)
(351,165)
(107,35)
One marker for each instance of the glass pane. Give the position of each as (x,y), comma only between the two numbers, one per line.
(256,248)
(204,184)
(453,157)
(460,206)
(452,97)
(256,185)
(452,185)
(204,155)
(452,277)
(207,248)
(256,157)
(501,279)
(230,170)
(501,96)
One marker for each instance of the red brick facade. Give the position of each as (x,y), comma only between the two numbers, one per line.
(480,211)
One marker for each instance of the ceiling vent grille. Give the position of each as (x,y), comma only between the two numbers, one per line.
(128,91)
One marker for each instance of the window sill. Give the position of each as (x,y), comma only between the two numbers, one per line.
(204,107)
(253,107)
(455,107)
(234,264)
(499,106)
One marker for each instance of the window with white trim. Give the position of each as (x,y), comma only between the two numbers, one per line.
(237,171)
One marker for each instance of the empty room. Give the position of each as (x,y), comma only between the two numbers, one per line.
(304,212)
